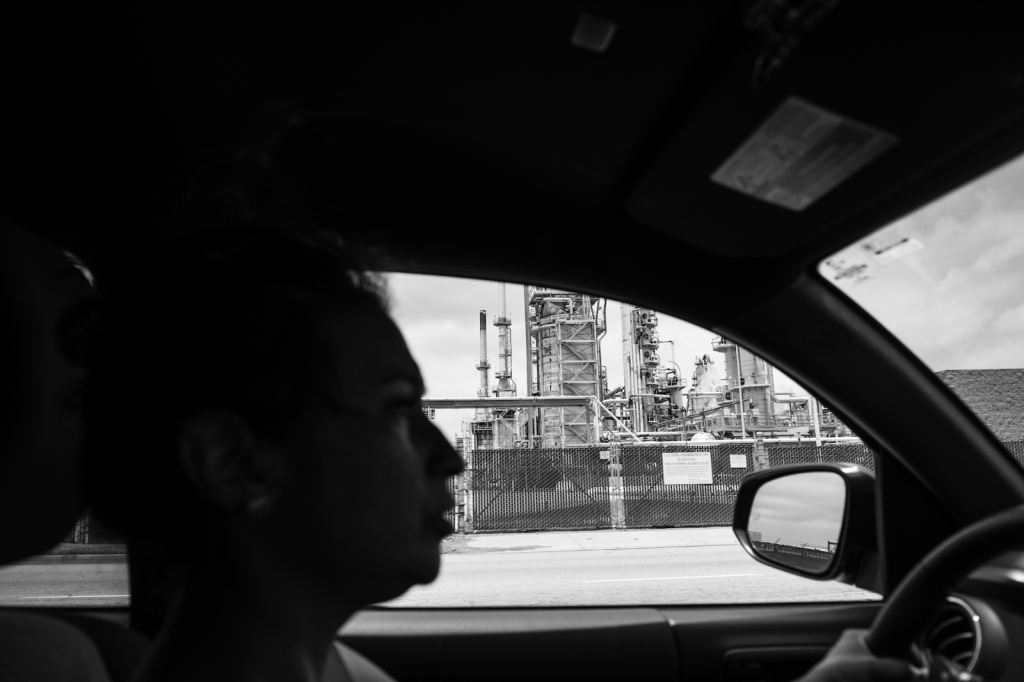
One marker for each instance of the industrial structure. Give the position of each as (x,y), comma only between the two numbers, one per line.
(482,425)
(507,420)
(564,332)
(568,402)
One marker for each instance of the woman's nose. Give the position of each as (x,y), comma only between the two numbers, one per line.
(443,458)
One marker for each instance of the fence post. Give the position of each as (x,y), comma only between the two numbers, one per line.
(615,500)
(467,492)
(760,455)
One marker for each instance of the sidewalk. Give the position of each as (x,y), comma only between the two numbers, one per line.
(73,559)
(588,540)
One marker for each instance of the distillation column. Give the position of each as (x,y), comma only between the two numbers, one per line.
(482,424)
(564,330)
(506,421)
(640,362)
(751,388)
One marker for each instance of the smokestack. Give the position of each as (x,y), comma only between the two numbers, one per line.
(482,363)
(483,336)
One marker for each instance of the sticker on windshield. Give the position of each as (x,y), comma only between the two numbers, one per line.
(891,249)
(800,154)
(844,270)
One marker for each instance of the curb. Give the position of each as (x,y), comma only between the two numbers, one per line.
(74,559)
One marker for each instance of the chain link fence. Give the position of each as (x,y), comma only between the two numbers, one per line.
(650,503)
(87,531)
(574,488)
(578,489)
(536,489)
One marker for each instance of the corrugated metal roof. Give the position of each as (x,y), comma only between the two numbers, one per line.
(995,395)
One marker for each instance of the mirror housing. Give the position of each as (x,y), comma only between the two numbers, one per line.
(858,533)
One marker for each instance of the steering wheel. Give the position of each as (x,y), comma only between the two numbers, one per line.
(920,595)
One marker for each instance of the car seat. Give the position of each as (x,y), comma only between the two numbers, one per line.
(39,435)
(39,432)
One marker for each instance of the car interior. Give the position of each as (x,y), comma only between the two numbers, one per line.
(589,147)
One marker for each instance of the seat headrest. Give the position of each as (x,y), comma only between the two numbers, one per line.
(40,424)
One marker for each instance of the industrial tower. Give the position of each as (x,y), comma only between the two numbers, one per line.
(482,425)
(654,394)
(565,330)
(506,420)
(750,390)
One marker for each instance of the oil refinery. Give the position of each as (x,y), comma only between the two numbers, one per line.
(564,399)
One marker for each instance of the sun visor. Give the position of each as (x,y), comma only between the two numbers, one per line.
(757,168)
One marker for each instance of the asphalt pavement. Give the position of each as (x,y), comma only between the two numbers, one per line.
(606,567)
(614,567)
(75,580)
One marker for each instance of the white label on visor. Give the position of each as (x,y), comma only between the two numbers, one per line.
(800,154)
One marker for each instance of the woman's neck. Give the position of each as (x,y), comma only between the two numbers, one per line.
(247,622)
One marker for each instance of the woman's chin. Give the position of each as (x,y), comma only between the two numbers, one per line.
(429,566)
(421,574)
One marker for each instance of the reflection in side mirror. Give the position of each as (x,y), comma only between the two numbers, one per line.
(816,520)
(797,520)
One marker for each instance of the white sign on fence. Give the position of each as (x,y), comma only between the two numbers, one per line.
(738,461)
(686,468)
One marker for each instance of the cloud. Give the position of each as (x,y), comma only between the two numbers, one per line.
(959,303)
(802,508)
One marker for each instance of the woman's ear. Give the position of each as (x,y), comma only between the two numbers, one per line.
(230,465)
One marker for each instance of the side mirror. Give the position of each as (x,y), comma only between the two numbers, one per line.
(815,520)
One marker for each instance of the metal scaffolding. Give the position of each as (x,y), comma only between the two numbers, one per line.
(565,329)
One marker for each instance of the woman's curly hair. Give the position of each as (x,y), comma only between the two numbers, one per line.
(229,319)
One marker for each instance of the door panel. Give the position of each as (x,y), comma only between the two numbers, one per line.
(760,642)
(770,642)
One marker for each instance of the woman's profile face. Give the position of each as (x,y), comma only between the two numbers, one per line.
(372,487)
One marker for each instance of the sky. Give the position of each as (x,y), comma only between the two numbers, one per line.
(439,317)
(955,293)
(805,508)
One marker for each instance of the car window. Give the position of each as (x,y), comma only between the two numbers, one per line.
(88,568)
(616,485)
(948,281)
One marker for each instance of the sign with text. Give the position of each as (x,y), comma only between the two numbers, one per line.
(686,468)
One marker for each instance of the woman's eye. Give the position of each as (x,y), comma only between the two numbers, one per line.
(405,407)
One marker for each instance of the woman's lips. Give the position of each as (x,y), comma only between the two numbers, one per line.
(441,526)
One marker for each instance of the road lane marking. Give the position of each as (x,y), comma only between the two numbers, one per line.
(79,596)
(681,577)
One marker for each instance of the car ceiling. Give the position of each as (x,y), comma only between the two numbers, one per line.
(474,139)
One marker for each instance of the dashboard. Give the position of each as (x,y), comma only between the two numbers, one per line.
(975,628)
(982,620)
(978,626)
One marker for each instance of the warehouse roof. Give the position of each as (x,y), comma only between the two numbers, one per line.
(995,395)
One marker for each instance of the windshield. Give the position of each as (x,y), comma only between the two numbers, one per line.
(948,281)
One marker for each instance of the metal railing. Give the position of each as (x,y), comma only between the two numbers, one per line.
(87,531)
(814,558)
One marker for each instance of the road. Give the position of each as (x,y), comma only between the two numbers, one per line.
(74,581)
(674,575)
(608,567)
